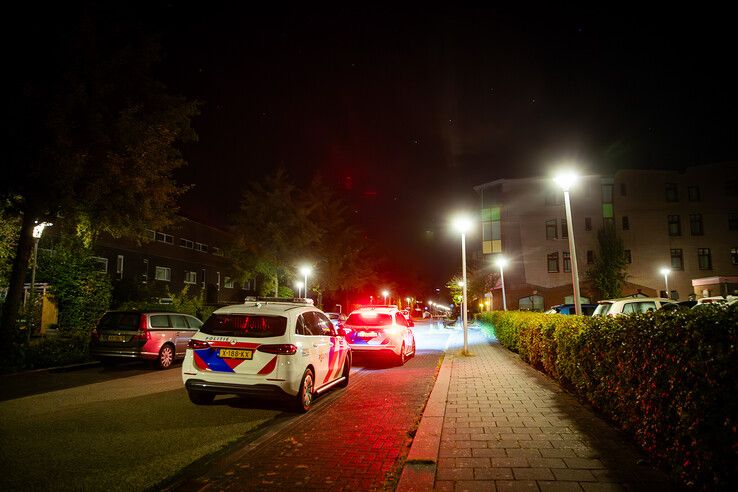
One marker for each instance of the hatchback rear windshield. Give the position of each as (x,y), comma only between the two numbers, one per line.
(244,325)
(369,319)
(119,321)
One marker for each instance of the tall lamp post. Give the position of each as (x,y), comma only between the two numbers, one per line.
(462,224)
(385,294)
(566,180)
(38,231)
(501,262)
(299,285)
(665,272)
(306,270)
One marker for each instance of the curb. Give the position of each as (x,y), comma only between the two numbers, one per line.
(70,367)
(419,471)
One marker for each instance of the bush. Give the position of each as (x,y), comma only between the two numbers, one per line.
(668,379)
(56,351)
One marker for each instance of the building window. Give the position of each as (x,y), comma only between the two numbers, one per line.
(163,273)
(102,263)
(695,224)
(553,262)
(734,256)
(567,261)
(564,229)
(626,223)
(675,226)
(531,303)
(149,234)
(677,259)
(623,191)
(627,256)
(186,243)
(216,251)
(201,247)
(733,222)
(588,223)
(164,238)
(693,193)
(227,283)
(551,229)
(671,193)
(606,193)
(190,277)
(590,257)
(705,258)
(119,266)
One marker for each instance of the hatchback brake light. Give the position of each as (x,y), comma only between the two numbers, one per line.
(197,344)
(279,349)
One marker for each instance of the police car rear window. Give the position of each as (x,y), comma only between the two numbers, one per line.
(244,325)
(369,319)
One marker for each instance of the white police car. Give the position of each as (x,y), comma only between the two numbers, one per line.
(266,347)
(380,329)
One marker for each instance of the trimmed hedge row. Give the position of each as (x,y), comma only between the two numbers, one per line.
(669,379)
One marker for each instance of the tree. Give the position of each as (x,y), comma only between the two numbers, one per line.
(93,136)
(608,272)
(272,230)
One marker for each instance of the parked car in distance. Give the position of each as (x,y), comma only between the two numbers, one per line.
(160,337)
(380,329)
(629,305)
(407,316)
(266,347)
(587,309)
(336,318)
(678,306)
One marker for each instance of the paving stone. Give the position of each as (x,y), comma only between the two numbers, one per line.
(516,485)
(475,486)
(532,474)
(493,474)
(556,486)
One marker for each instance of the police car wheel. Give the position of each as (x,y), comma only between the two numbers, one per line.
(402,358)
(200,397)
(304,398)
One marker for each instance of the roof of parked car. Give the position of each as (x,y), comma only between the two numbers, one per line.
(635,299)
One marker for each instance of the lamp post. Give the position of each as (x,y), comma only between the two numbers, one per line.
(566,180)
(501,262)
(385,294)
(299,285)
(38,231)
(306,270)
(462,224)
(665,272)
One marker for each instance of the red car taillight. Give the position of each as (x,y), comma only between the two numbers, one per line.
(143,334)
(197,344)
(280,349)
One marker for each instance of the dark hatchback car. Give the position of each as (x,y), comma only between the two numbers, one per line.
(159,337)
(587,309)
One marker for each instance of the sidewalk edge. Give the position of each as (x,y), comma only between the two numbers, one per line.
(419,471)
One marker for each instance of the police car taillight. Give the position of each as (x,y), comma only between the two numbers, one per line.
(197,344)
(279,349)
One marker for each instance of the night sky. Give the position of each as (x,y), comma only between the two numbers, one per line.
(405,109)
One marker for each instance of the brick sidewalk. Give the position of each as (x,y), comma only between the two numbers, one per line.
(507,426)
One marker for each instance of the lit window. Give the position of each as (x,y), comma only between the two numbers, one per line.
(163,273)
(228,283)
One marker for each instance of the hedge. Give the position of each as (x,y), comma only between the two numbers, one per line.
(670,380)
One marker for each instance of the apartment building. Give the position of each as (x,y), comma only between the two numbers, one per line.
(686,221)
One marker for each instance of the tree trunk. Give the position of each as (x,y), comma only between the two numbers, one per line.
(15,284)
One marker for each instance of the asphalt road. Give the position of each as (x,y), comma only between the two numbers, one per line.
(130,427)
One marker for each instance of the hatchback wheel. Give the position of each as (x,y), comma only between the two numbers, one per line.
(200,397)
(166,357)
(304,398)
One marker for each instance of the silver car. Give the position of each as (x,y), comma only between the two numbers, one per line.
(160,337)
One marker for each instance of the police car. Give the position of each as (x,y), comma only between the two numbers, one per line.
(380,329)
(266,347)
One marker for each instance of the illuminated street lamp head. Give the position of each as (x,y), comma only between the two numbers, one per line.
(566,179)
(385,293)
(306,270)
(299,284)
(501,262)
(461,284)
(462,223)
(665,271)
(38,229)
(430,303)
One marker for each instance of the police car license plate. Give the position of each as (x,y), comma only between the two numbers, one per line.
(236,354)
(367,334)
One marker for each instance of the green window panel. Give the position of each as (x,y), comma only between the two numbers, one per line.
(492,213)
(607,210)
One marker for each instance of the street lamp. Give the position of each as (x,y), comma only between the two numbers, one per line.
(299,285)
(306,270)
(462,224)
(385,294)
(408,302)
(566,180)
(501,262)
(665,272)
(38,231)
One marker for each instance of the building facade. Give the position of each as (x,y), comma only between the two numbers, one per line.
(686,221)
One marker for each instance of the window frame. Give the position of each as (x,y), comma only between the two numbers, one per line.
(704,253)
(168,271)
(696,219)
(677,253)
(552,257)
(552,226)
(674,219)
(671,192)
